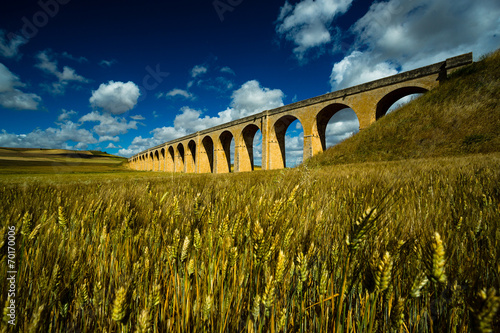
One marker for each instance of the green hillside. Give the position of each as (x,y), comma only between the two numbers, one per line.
(459,117)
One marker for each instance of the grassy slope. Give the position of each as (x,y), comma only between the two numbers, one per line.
(461,116)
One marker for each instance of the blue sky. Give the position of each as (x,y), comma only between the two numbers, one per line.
(122,76)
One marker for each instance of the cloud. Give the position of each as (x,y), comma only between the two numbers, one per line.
(137,117)
(249,99)
(109,126)
(19,100)
(178,92)
(65,115)
(308,23)
(358,68)
(227,70)
(64,77)
(294,149)
(107,63)
(8,80)
(10,49)
(71,57)
(399,35)
(341,126)
(80,146)
(198,70)
(115,97)
(109,138)
(13,98)
(218,84)
(111,146)
(139,143)
(49,138)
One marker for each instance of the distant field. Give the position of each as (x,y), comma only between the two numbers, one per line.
(36,161)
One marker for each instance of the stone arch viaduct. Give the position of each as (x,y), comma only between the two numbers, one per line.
(208,151)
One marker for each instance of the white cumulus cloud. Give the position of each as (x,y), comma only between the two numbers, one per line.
(115,97)
(10,49)
(65,115)
(308,24)
(249,99)
(50,137)
(358,68)
(109,125)
(179,92)
(13,98)
(198,70)
(64,77)
(399,35)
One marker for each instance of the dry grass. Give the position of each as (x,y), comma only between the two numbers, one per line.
(460,117)
(392,247)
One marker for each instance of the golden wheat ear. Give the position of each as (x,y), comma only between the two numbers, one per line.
(362,228)
(434,259)
(120,305)
(383,273)
(143,322)
(398,315)
(485,311)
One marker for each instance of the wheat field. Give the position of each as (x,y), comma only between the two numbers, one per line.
(407,246)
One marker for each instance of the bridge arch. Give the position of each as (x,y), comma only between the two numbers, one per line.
(389,99)
(162,160)
(323,118)
(156,161)
(170,159)
(206,155)
(149,160)
(277,146)
(179,158)
(224,152)
(190,158)
(246,145)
